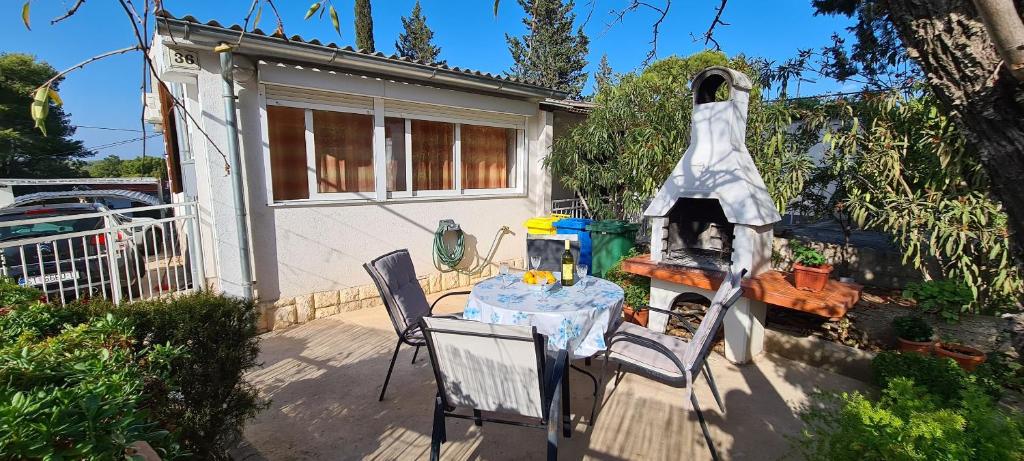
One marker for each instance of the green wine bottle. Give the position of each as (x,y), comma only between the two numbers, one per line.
(568,267)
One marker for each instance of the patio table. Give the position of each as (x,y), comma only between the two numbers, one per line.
(575,318)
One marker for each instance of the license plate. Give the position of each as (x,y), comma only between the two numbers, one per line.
(48,278)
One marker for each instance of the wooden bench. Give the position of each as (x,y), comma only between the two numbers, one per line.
(771,287)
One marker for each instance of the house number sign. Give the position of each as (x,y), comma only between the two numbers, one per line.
(181,59)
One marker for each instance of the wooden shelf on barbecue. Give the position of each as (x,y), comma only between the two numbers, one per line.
(772,287)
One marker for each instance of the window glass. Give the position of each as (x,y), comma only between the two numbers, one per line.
(344,151)
(433,155)
(488,157)
(286,129)
(394,148)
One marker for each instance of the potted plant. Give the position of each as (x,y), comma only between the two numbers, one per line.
(967,357)
(913,334)
(637,291)
(810,272)
(946,298)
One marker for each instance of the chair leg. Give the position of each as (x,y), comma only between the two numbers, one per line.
(390,368)
(703,426)
(554,419)
(478,418)
(414,354)
(438,434)
(714,387)
(599,391)
(566,415)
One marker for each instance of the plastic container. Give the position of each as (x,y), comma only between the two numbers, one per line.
(610,241)
(543,225)
(577,226)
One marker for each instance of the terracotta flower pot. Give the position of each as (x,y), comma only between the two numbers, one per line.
(915,347)
(638,317)
(967,357)
(811,278)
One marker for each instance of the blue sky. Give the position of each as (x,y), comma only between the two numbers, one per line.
(106,93)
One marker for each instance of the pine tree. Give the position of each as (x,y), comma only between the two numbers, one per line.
(604,74)
(550,53)
(416,42)
(364,26)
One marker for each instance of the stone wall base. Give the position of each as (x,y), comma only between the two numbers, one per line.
(287,312)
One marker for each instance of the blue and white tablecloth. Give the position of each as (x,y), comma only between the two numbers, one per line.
(574,318)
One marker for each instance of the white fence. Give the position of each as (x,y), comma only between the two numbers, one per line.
(120,255)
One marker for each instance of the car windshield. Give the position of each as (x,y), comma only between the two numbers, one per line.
(24,231)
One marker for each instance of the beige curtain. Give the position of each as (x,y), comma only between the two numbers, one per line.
(286,128)
(344,151)
(487,154)
(433,155)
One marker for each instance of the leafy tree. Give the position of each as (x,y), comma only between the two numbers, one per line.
(604,74)
(113,166)
(416,42)
(25,152)
(618,157)
(364,26)
(970,64)
(550,53)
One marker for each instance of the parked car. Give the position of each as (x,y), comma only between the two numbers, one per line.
(85,261)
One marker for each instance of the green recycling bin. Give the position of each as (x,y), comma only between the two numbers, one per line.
(610,241)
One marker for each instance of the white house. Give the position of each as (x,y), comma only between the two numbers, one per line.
(344,155)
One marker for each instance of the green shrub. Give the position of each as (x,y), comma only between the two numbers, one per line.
(947,298)
(84,393)
(912,328)
(942,377)
(805,255)
(13,295)
(909,423)
(203,401)
(636,288)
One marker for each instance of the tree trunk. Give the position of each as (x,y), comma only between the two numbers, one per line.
(948,40)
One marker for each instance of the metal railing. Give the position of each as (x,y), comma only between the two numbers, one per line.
(573,207)
(125,257)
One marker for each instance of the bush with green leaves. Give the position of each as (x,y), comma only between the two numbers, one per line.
(912,328)
(805,255)
(947,298)
(200,399)
(13,295)
(930,409)
(636,288)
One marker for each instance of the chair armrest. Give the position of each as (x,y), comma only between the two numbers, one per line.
(553,383)
(650,344)
(445,296)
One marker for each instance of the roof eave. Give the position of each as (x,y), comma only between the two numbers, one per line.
(208,36)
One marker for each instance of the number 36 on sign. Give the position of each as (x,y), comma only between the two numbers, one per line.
(182,59)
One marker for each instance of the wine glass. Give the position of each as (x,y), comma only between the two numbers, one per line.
(534,262)
(581,272)
(543,282)
(503,270)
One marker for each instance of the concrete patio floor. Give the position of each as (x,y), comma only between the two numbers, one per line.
(324,376)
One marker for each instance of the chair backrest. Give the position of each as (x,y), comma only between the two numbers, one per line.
(403,297)
(727,295)
(487,367)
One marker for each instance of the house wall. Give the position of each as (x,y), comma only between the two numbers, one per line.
(307,257)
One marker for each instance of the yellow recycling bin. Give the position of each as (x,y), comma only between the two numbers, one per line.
(543,225)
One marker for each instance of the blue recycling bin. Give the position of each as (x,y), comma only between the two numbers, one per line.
(577,226)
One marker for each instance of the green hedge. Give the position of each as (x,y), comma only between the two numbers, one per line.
(929,409)
(169,371)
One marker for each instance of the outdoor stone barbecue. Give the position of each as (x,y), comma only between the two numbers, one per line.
(714,210)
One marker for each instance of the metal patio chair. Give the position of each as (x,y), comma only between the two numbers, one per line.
(495,368)
(395,278)
(671,360)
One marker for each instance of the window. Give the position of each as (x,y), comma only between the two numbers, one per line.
(324,148)
(488,157)
(433,155)
(344,152)
(287,134)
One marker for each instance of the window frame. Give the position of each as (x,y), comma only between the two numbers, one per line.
(379,112)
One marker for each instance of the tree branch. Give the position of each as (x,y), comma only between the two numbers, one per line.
(655,28)
(709,36)
(1006,31)
(69,13)
(89,61)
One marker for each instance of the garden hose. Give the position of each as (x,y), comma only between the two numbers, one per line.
(447,259)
